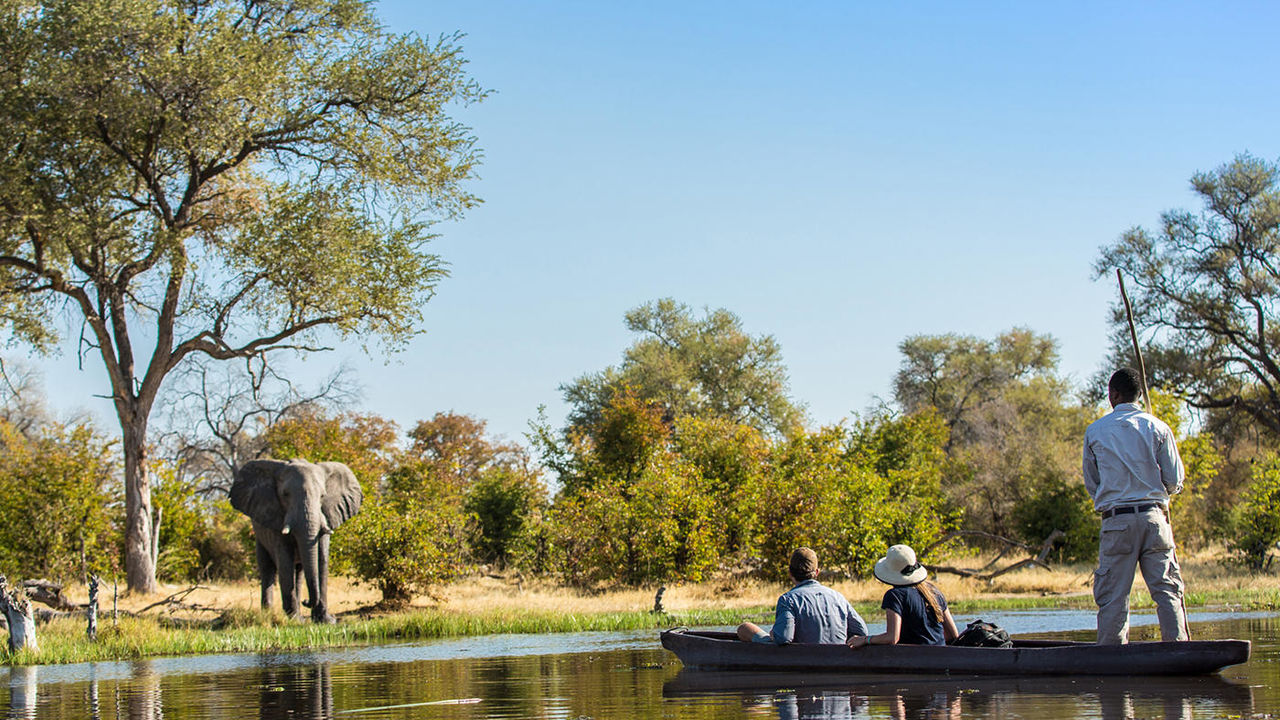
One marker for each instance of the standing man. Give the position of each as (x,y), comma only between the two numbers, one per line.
(1131,467)
(809,612)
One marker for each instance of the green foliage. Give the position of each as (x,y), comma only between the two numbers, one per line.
(182,522)
(507,504)
(732,460)
(687,366)
(200,538)
(1257,521)
(1012,420)
(60,509)
(1196,517)
(850,495)
(404,545)
(220,178)
(1206,294)
(662,526)
(1059,503)
(617,444)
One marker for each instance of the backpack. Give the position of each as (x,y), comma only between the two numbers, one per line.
(983,634)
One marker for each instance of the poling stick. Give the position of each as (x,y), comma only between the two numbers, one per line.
(1133,335)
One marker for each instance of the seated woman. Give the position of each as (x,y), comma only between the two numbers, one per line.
(915,611)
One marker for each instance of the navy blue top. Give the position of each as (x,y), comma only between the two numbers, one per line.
(919,626)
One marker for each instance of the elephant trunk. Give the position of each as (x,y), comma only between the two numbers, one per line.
(310,546)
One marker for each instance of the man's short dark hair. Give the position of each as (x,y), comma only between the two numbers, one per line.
(804,564)
(1125,384)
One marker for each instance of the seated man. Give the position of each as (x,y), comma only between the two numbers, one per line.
(810,612)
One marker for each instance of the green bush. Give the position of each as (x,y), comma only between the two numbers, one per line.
(662,526)
(60,505)
(402,546)
(505,501)
(1257,519)
(850,496)
(1059,503)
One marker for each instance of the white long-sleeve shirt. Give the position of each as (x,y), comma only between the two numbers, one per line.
(1131,458)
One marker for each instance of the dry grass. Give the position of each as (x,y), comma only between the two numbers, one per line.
(487,604)
(1210,580)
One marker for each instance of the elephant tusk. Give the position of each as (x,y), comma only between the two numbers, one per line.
(285,531)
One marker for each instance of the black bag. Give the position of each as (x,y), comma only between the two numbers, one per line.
(983,634)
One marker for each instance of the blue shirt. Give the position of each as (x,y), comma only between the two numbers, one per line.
(919,626)
(810,612)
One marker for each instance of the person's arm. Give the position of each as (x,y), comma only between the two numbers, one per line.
(949,630)
(1090,467)
(855,625)
(892,631)
(784,622)
(1172,473)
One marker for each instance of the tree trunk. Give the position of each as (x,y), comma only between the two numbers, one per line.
(140,568)
(18,612)
(92,630)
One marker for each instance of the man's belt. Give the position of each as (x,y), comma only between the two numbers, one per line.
(1127,509)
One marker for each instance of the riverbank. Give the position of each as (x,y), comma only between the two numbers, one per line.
(225,618)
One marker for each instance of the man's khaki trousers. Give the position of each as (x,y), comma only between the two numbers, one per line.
(1137,540)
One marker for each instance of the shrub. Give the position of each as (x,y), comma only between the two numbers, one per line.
(662,526)
(1257,520)
(504,501)
(402,546)
(60,510)
(1060,504)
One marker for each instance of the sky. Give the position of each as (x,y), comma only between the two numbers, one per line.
(839,175)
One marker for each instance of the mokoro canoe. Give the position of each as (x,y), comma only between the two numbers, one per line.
(723,651)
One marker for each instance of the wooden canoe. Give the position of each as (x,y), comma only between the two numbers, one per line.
(723,651)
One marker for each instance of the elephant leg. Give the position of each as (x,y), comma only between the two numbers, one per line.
(320,603)
(266,573)
(288,580)
(298,583)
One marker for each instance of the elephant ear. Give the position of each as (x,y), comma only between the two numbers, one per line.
(254,493)
(342,496)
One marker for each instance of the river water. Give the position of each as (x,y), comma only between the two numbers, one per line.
(629,675)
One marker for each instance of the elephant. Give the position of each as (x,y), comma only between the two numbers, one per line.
(294,506)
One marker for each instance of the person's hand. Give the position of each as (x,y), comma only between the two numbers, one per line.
(857,641)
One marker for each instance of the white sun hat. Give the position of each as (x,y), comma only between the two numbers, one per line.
(900,567)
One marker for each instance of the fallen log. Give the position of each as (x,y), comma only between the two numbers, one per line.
(49,593)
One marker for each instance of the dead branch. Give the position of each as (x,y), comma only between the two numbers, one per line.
(173,601)
(981,573)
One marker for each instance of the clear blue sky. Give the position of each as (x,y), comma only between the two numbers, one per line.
(840,175)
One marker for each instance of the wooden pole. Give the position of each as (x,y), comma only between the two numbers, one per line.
(1142,370)
(1133,335)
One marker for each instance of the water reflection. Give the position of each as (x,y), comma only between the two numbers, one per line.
(24,689)
(832,696)
(295,691)
(624,682)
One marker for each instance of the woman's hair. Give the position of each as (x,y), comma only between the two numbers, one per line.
(931,594)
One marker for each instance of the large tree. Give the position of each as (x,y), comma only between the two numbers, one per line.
(689,366)
(218,177)
(1014,423)
(1206,293)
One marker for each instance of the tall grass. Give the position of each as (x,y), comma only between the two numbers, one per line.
(63,640)
(542,607)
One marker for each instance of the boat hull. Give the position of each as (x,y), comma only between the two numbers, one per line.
(723,651)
